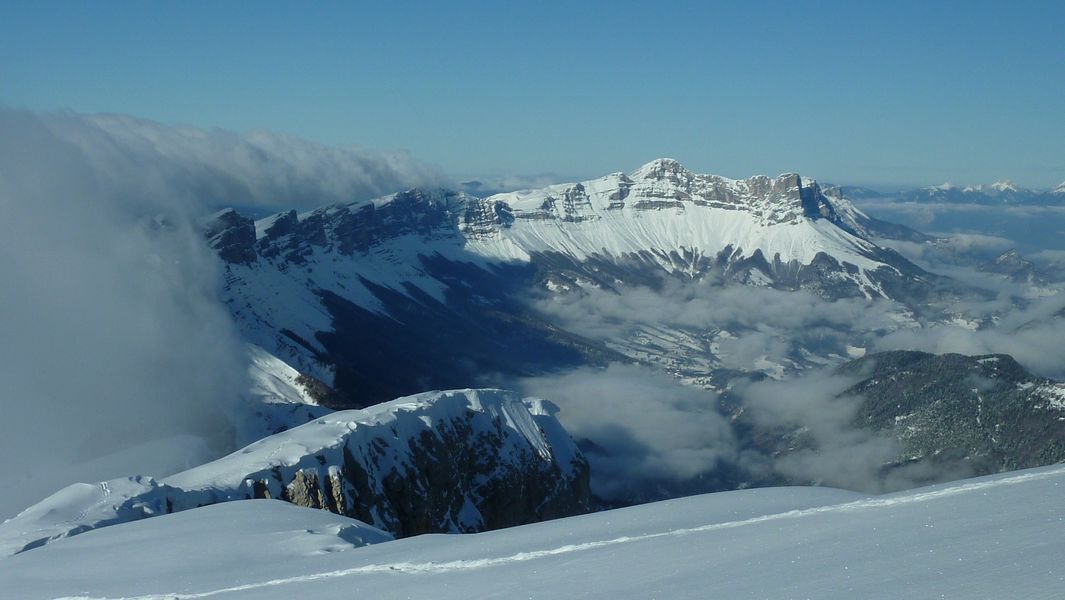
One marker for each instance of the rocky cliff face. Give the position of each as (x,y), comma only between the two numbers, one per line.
(460,461)
(232,236)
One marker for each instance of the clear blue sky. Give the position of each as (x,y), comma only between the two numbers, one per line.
(849,91)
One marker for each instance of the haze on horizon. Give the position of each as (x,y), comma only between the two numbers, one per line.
(903,94)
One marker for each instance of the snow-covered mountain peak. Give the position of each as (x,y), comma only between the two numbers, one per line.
(661,168)
(1004,185)
(665,185)
(501,225)
(1003,191)
(1060,189)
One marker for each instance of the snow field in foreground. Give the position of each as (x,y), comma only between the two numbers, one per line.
(993,537)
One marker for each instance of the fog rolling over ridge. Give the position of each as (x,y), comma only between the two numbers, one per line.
(117,356)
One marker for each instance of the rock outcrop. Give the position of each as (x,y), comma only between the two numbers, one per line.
(232,236)
(443,462)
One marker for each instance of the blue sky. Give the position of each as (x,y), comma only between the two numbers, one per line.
(854,92)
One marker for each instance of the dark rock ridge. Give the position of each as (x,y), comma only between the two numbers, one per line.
(348,229)
(438,462)
(232,236)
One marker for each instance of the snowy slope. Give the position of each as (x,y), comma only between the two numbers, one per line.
(276,399)
(993,537)
(662,208)
(459,461)
(217,541)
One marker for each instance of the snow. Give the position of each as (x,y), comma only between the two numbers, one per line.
(379,438)
(213,542)
(721,212)
(993,537)
(403,419)
(273,380)
(1004,185)
(632,231)
(275,400)
(1054,393)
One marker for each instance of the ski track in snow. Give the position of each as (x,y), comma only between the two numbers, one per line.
(471,564)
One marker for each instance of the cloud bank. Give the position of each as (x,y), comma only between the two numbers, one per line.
(764,324)
(646,429)
(117,356)
(219,168)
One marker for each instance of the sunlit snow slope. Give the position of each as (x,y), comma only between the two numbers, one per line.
(994,537)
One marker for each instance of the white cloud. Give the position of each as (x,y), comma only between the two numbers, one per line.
(648,428)
(138,157)
(113,336)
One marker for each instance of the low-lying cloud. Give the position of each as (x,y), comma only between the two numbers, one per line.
(1031,228)
(762,324)
(646,429)
(816,411)
(648,436)
(796,336)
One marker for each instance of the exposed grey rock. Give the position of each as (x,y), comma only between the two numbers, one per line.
(232,236)
(443,462)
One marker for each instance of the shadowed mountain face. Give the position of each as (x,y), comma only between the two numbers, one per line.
(431,343)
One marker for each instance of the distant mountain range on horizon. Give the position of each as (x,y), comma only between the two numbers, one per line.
(1003,191)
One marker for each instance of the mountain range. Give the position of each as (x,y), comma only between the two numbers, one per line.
(435,285)
(1000,193)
